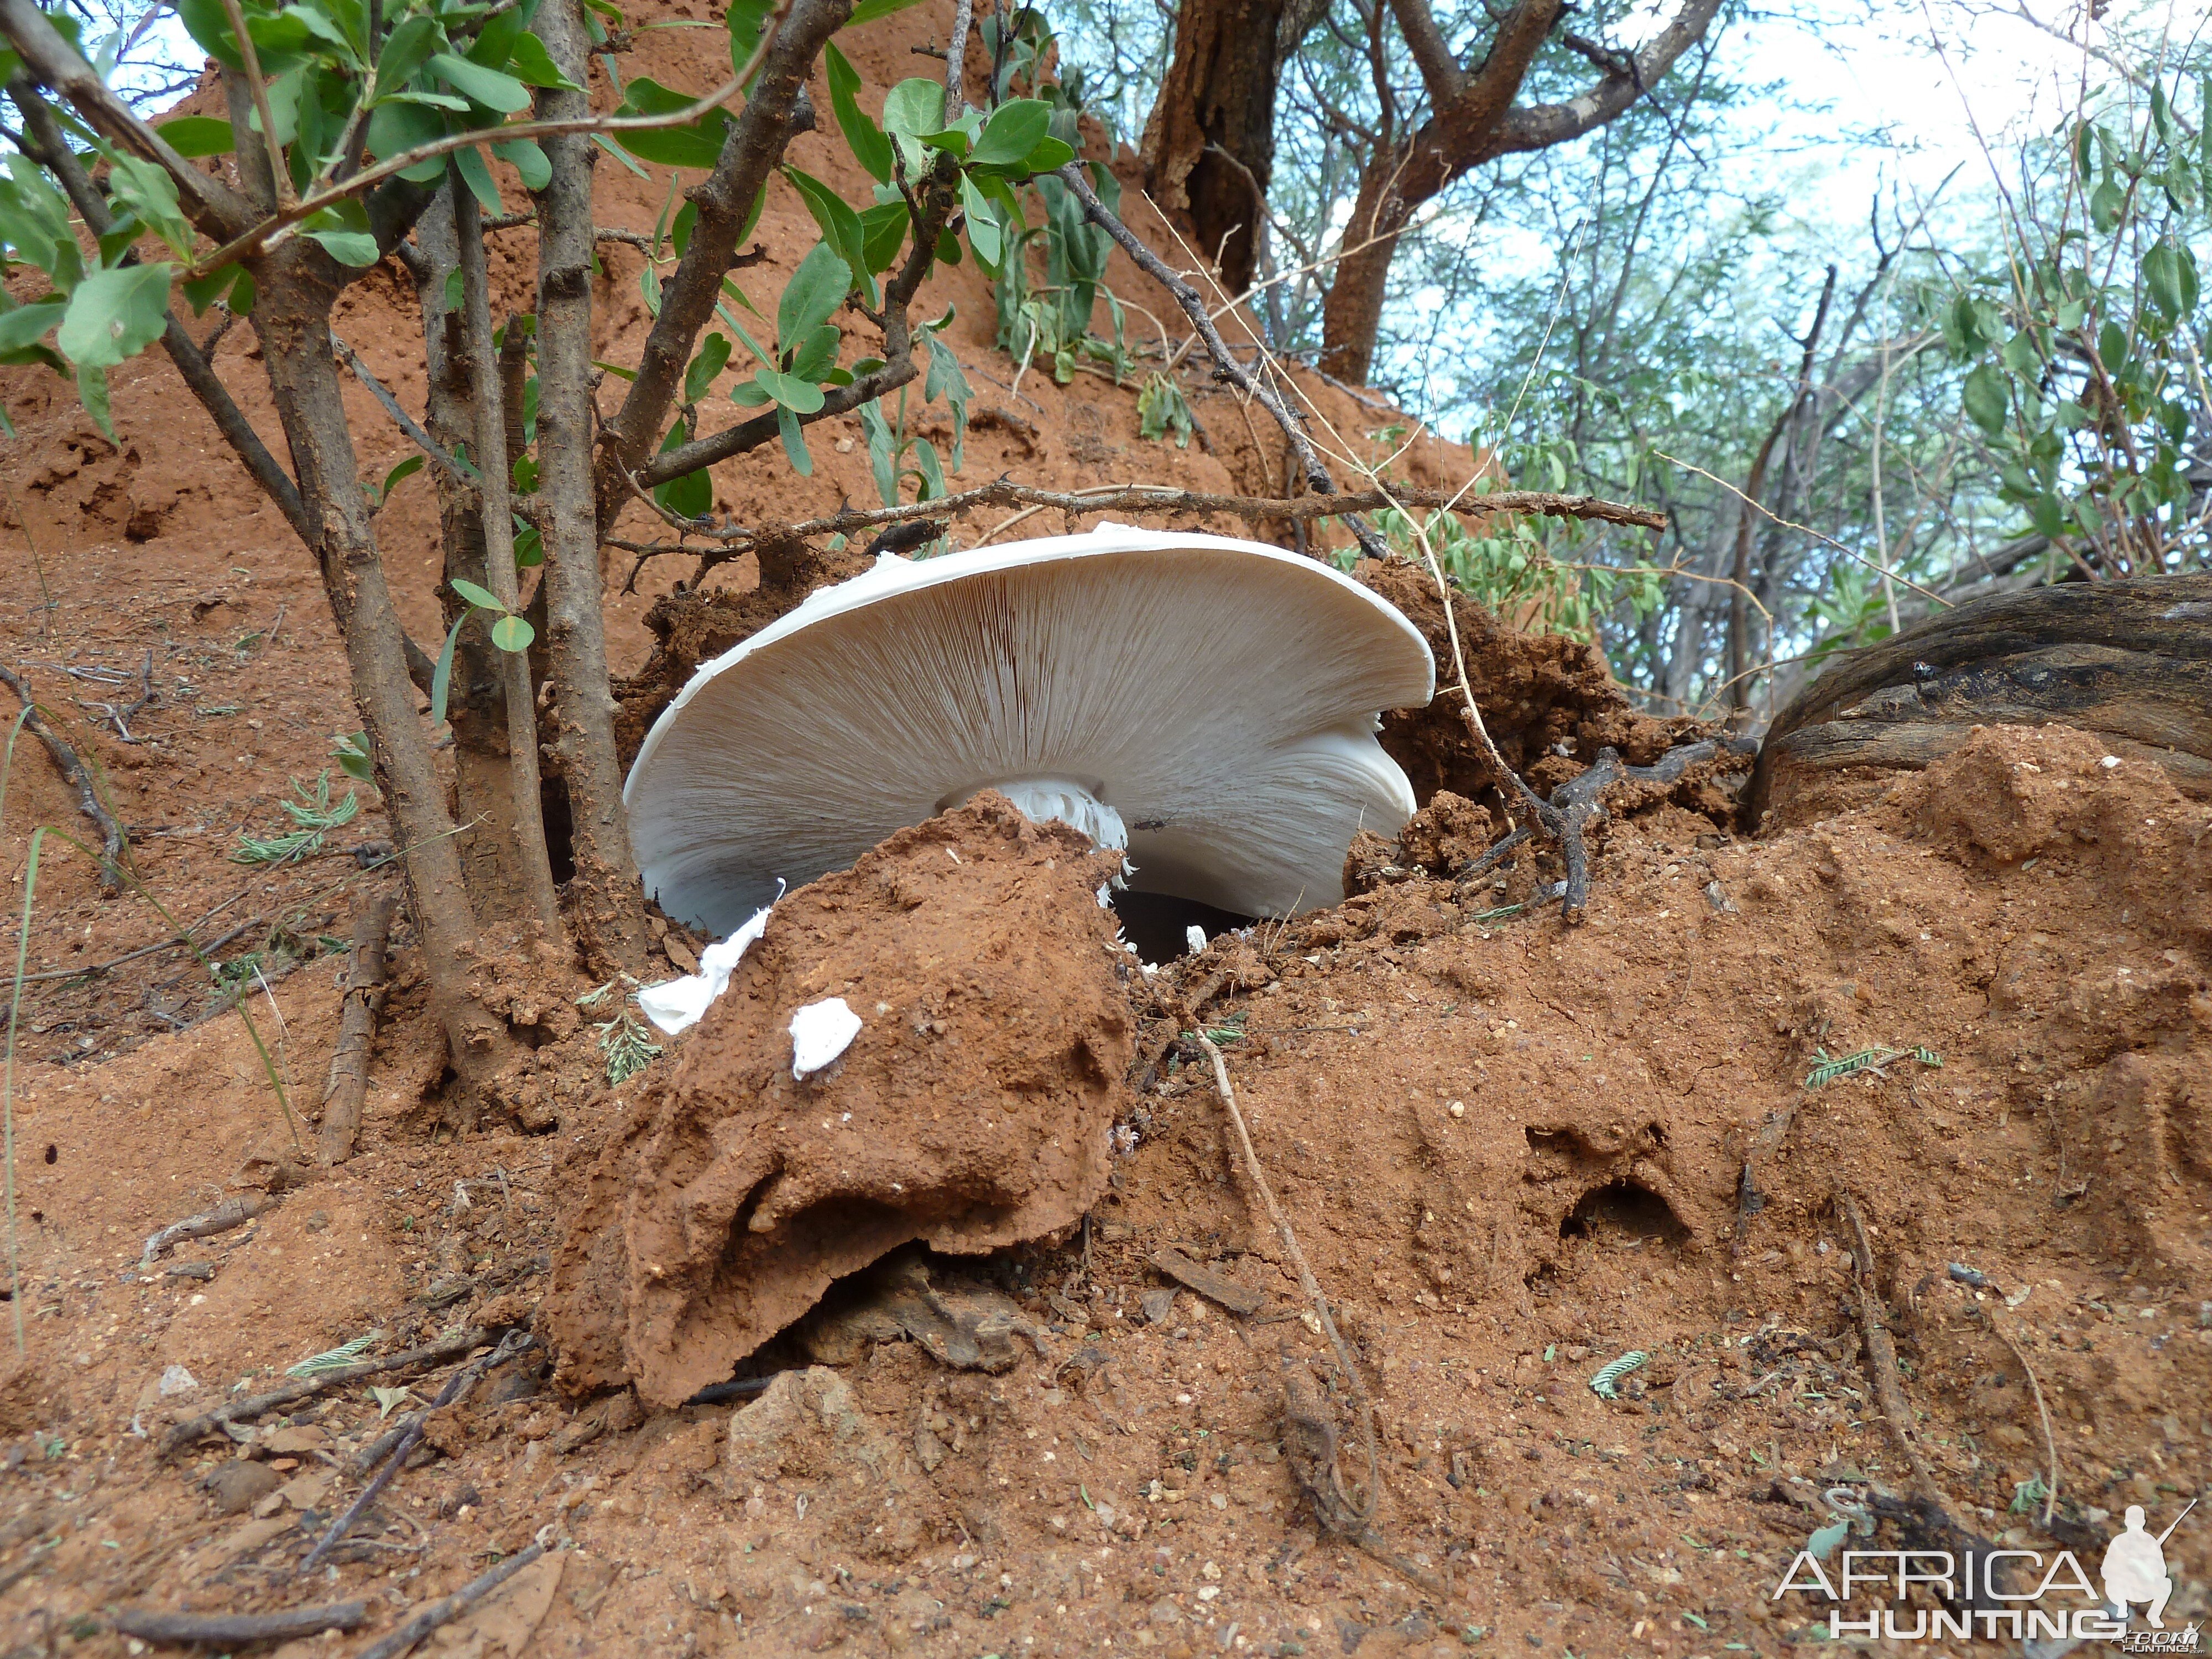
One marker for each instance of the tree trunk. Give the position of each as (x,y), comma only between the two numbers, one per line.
(1209,146)
(606,902)
(475,701)
(292,319)
(1352,312)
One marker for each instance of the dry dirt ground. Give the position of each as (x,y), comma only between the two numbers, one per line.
(1512,1152)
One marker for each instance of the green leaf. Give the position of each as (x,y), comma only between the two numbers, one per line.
(482,597)
(406,49)
(984,234)
(812,296)
(795,442)
(841,226)
(948,381)
(115,314)
(26,326)
(441,677)
(2170,277)
(883,453)
(1049,156)
(195,135)
(2107,202)
(933,475)
(883,231)
(356,248)
(406,468)
(713,356)
(801,397)
(533,65)
(869,10)
(512,634)
(91,392)
(751,394)
(528,161)
(698,146)
(1987,398)
(679,231)
(869,147)
(911,108)
(818,353)
(746,19)
(477,174)
(1016,128)
(488,87)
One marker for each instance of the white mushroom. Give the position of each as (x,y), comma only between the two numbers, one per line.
(1209,703)
(819,1033)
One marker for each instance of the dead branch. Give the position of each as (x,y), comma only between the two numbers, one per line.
(2043,1411)
(439,1613)
(1155,498)
(1364,1513)
(303,1387)
(347,1087)
(1225,360)
(113,841)
(237,1629)
(410,1435)
(1882,1352)
(231,1213)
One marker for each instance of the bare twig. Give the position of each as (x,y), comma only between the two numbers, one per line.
(347,1087)
(2050,1443)
(1364,1512)
(439,1613)
(1225,360)
(237,1629)
(1882,1352)
(231,1213)
(457,1385)
(306,1388)
(113,841)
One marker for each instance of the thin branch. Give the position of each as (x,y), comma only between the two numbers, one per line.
(50,148)
(273,228)
(280,176)
(1225,364)
(406,423)
(113,844)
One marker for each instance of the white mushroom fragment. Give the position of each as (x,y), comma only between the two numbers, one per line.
(1209,703)
(819,1033)
(675,1005)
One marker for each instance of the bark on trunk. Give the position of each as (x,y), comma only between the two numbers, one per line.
(1352,315)
(347,1087)
(1209,146)
(606,902)
(292,318)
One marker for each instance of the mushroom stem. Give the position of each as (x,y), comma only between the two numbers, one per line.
(1040,801)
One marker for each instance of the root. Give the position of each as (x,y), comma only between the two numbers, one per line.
(441,1613)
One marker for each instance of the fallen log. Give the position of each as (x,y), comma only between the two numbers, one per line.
(2129,661)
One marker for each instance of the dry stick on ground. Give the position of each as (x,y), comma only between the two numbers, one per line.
(230,1214)
(439,1613)
(347,1087)
(1882,1352)
(1364,1513)
(2050,1443)
(409,1436)
(113,841)
(305,1388)
(229,1630)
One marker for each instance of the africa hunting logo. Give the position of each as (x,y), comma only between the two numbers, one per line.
(1986,1593)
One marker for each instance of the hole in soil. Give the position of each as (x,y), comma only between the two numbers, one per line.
(1158,924)
(1626,1207)
(53,1153)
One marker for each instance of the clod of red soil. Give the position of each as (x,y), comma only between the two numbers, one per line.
(1537,693)
(971,1112)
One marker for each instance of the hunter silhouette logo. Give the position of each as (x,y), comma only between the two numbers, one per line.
(2135,1567)
(2023,1594)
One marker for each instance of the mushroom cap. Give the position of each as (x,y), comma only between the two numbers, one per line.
(1221,695)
